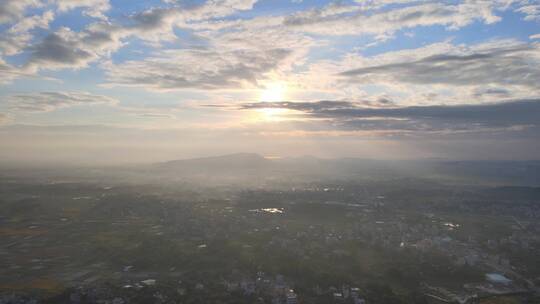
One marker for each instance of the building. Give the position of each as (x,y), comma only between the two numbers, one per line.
(291,297)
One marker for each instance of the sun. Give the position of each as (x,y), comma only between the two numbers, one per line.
(273,92)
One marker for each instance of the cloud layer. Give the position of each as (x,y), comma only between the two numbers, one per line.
(214,22)
(510,116)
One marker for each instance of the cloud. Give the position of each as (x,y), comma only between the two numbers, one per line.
(68,49)
(498,92)
(531,10)
(309,107)
(318,106)
(49,101)
(155,115)
(215,23)
(8,72)
(514,64)
(229,59)
(213,69)
(224,35)
(343,19)
(438,73)
(11,10)
(93,8)
(162,20)
(60,49)
(515,115)
(374,18)
(214,8)
(18,37)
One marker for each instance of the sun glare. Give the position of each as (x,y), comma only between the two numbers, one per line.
(271,114)
(273,92)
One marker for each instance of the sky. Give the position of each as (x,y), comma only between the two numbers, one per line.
(121,81)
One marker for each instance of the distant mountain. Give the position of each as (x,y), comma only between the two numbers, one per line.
(251,167)
(231,162)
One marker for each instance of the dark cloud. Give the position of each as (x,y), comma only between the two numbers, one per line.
(67,49)
(99,38)
(319,106)
(514,115)
(497,92)
(524,111)
(56,48)
(153,19)
(311,107)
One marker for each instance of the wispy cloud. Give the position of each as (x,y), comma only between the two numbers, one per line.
(49,101)
(92,8)
(512,65)
(214,69)
(341,19)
